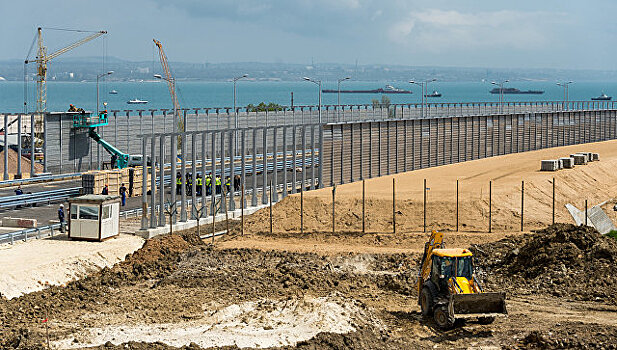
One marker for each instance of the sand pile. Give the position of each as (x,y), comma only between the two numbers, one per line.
(562,260)
(25,163)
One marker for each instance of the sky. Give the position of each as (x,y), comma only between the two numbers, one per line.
(563,34)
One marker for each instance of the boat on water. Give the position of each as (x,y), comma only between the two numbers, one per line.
(136,101)
(388,89)
(434,94)
(516,91)
(113,92)
(603,97)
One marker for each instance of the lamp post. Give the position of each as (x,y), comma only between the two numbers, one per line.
(566,92)
(318,83)
(236,113)
(423,85)
(321,183)
(339,94)
(99,76)
(500,93)
(174,154)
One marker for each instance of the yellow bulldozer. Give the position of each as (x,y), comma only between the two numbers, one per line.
(448,289)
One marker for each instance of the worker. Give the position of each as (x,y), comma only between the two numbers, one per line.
(114,159)
(208,184)
(61,217)
(189,184)
(199,184)
(123,194)
(72,108)
(105,190)
(237,182)
(227,183)
(178,182)
(217,183)
(19,191)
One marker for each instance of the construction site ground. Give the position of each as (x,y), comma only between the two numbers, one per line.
(348,290)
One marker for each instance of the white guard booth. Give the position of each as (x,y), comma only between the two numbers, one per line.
(94,217)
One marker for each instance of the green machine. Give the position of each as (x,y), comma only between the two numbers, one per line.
(84,120)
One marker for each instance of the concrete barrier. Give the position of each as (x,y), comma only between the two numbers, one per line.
(18,222)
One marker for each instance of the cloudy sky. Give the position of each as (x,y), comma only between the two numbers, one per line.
(472,33)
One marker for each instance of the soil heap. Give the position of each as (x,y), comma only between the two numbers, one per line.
(562,260)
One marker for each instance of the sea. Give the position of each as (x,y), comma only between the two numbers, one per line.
(203,94)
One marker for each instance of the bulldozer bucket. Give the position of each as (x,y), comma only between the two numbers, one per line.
(477,305)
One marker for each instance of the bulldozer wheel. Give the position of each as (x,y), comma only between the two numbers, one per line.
(441,318)
(486,320)
(426,301)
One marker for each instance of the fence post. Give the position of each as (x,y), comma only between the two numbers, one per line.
(585,212)
(424,210)
(393,205)
(271,227)
(553,201)
(301,209)
(333,207)
(241,206)
(457,205)
(490,207)
(522,203)
(363,206)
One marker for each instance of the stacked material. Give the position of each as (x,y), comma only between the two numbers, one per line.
(579,158)
(550,165)
(567,162)
(135,182)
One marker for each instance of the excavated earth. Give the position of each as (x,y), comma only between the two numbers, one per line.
(559,283)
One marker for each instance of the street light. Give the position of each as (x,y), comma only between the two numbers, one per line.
(321,183)
(423,85)
(318,83)
(236,113)
(500,93)
(99,76)
(566,92)
(339,92)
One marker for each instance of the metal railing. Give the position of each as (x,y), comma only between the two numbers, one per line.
(41,178)
(39,197)
(30,233)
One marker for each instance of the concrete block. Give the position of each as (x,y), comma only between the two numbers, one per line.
(550,165)
(579,159)
(567,162)
(18,222)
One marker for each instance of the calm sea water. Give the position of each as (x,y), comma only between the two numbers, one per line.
(220,94)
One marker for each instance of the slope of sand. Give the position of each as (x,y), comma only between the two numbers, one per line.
(594,182)
(30,266)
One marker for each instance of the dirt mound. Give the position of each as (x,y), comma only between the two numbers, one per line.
(561,260)
(157,258)
(25,163)
(571,336)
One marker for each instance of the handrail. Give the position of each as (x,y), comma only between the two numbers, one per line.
(38,197)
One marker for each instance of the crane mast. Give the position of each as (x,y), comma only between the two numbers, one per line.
(171,84)
(42,58)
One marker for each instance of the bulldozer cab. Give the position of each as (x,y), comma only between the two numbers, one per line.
(446,267)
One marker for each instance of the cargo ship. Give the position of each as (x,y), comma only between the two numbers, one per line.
(434,94)
(388,89)
(516,91)
(603,97)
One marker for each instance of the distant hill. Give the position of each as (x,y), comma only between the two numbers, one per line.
(86,68)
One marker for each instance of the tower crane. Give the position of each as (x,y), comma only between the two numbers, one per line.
(171,83)
(42,58)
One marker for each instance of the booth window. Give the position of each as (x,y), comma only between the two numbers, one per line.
(73,212)
(106,212)
(88,213)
